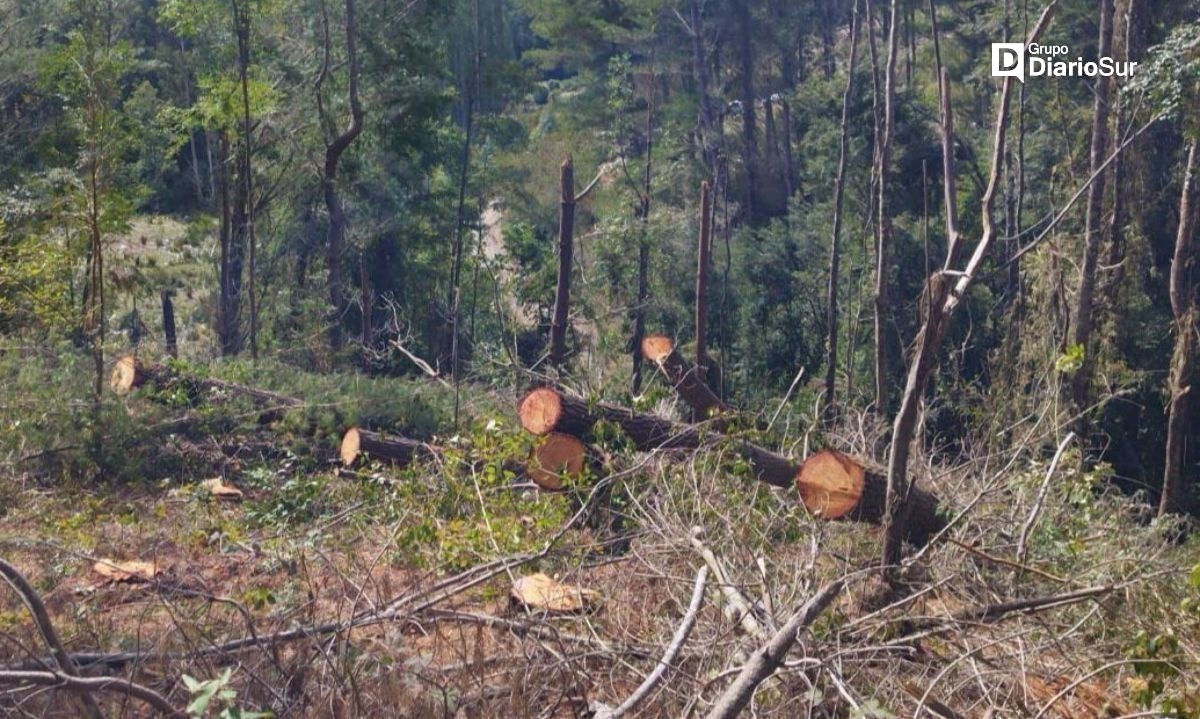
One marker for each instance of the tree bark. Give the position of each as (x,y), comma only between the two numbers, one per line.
(1081,381)
(1183,366)
(562,290)
(168,313)
(835,251)
(785,135)
(334,148)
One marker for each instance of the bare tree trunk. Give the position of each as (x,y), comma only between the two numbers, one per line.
(171,344)
(749,122)
(241,19)
(1187,325)
(883,248)
(233,252)
(335,146)
(945,291)
(562,290)
(643,282)
(710,132)
(789,171)
(703,262)
(1081,382)
(835,250)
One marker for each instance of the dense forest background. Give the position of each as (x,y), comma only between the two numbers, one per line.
(367,206)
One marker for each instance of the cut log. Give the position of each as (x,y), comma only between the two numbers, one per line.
(835,486)
(556,458)
(394,450)
(686,379)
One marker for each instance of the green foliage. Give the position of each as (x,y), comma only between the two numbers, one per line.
(211,694)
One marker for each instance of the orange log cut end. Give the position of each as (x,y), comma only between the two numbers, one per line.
(557,457)
(351,446)
(539,410)
(830,484)
(657,348)
(124,375)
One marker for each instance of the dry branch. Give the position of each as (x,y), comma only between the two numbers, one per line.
(770,656)
(660,670)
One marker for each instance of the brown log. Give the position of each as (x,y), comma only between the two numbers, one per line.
(685,379)
(831,484)
(395,450)
(557,457)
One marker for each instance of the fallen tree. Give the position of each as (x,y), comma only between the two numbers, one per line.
(130,372)
(831,485)
(684,378)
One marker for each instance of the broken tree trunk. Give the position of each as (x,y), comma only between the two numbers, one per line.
(831,485)
(562,291)
(391,449)
(685,379)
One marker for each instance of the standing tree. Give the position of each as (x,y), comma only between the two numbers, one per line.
(1082,337)
(335,145)
(835,251)
(88,72)
(884,221)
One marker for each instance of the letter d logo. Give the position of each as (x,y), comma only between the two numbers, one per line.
(1008,60)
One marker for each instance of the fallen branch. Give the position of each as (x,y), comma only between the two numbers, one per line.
(677,641)
(86,686)
(770,656)
(41,619)
(737,608)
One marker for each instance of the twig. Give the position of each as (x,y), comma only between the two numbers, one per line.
(767,658)
(1022,543)
(736,604)
(85,686)
(677,641)
(1006,562)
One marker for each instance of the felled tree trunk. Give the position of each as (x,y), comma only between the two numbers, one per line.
(685,379)
(129,373)
(831,485)
(391,449)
